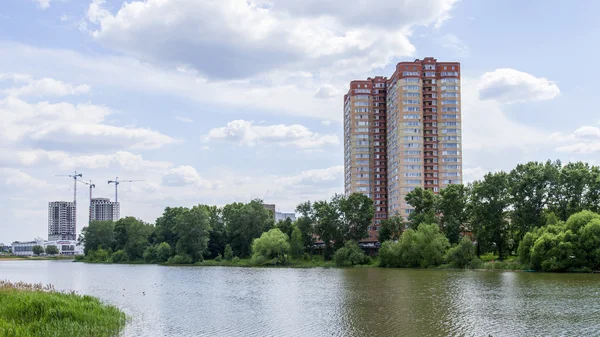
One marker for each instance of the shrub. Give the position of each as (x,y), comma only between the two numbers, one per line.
(350,255)
(163,252)
(52,250)
(424,247)
(180,259)
(150,254)
(273,244)
(119,256)
(100,255)
(228,255)
(218,258)
(461,255)
(37,250)
(235,259)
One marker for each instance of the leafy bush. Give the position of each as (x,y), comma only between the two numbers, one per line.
(218,258)
(52,250)
(461,255)
(163,252)
(119,256)
(273,244)
(423,248)
(37,250)
(228,255)
(350,255)
(150,255)
(235,259)
(180,259)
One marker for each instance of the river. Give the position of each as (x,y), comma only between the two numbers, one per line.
(225,301)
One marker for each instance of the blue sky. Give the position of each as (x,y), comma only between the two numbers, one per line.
(229,100)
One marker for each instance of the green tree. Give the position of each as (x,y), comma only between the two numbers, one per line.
(228,254)
(391,228)
(218,235)
(490,202)
(193,229)
(356,212)
(529,188)
(244,223)
(163,252)
(461,255)
(296,244)
(327,224)
(272,246)
(132,236)
(37,250)
(285,226)
(350,255)
(98,234)
(591,198)
(51,250)
(119,256)
(151,254)
(425,204)
(165,226)
(423,248)
(305,223)
(452,204)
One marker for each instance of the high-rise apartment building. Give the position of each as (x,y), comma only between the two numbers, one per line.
(417,143)
(102,209)
(61,221)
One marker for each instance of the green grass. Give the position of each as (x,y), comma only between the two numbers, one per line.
(33,310)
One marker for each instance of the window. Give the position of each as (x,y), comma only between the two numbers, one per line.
(429,67)
(411,145)
(412,181)
(411,80)
(429,73)
(361,103)
(361,109)
(451,167)
(362,91)
(411,94)
(450,160)
(447,116)
(412,174)
(412,153)
(412,123)
(455,138)
(412,160)
(362,130)
(362,162)
(450,145)
(451,153)
(409,189)
(412,108)
(411,116)
(451,101)
(450,87)
(360,123)
(450,131)
(449,73)
(361,136)
(450,109)
(450,124)
(412,130)
(412,138)
(362,97)
(410,73)
(449,80)
(411,87)
(362,149)
(411,101)
(361,155)
(451,174)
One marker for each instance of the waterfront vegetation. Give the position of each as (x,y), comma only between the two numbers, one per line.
(34,310)
(540,216)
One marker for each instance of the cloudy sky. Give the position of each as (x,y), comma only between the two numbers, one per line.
(214,101)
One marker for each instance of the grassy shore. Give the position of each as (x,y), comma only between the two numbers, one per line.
(36,310)
(35,258)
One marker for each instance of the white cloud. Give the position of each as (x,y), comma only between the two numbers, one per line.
(584,140)
(239,38)
(326,122)
(64,18)
(327,91)
(452,42)
(43,4)
(185,176)
(512,86)
(184,119)
(42,87)
(64,126)
(473,173)
(313,176)
(246,133)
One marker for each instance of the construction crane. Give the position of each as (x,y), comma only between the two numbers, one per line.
(117,182)
(75,175)
(91,186)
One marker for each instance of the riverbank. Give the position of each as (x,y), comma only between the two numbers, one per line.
(35,310)
(34,258)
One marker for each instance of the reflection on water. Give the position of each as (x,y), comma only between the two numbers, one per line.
(216,301)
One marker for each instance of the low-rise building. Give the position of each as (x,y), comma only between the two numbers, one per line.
(25,248)
(65,247)
(281,216)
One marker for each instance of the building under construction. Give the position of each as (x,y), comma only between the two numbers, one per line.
(102,209)
(61,221)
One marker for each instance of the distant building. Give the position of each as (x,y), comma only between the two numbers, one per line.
(270,207)
(4,249)
(61,220)
(102,209)
(65,247)
(281,216)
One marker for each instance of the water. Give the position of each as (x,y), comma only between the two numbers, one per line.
(219,301)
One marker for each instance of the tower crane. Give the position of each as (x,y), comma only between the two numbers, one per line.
(117,182)
(91,186)
(75,175)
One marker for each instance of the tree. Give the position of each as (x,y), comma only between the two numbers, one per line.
(37,250)
(228,254)
(423,248)
(165,226)
(529,188)
(272,245)
(391,228)
(296,244)
(327,219)
(119,256)
(150,254)
(490,202)
(305,223)
(424,203)
(461,255)
(131,235)
(357,212)
(350,255)
(285,226)
(244,223)
(452,204)
(163,252)
(51,250)
(192,227)
(218,235)
(98,234)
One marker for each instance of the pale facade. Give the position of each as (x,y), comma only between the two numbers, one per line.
(61,220)
(102,209)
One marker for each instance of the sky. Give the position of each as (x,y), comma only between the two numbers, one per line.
(216,101)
